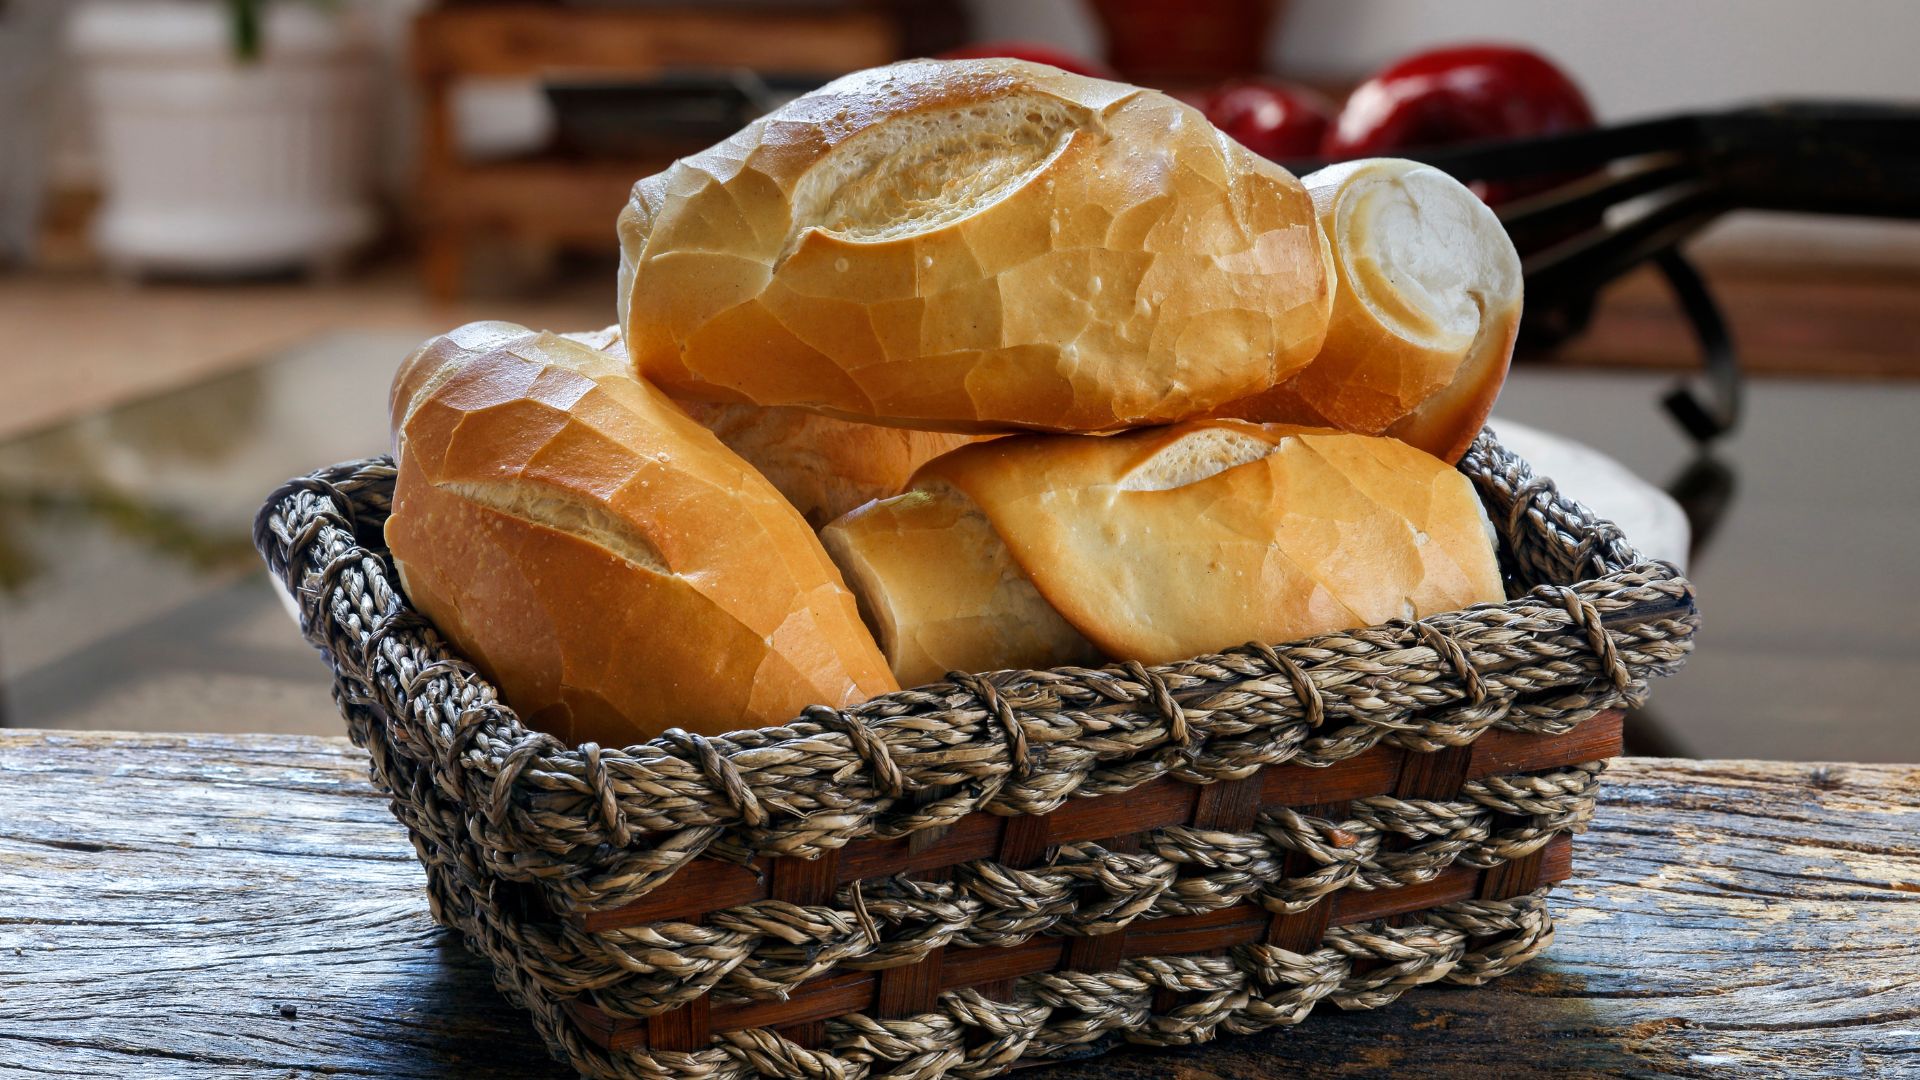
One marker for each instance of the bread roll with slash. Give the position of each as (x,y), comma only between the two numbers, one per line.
(824,466)
(1425,309)
(603,559)
(977,245)
(1158,545)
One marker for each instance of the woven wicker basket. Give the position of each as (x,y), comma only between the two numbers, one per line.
(1020,865)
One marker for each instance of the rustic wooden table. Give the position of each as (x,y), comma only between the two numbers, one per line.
(243,906)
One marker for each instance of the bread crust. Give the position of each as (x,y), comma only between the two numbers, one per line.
(825,466)
(601,557)
(1166,543)
(980,245)
(942,592)
(1427,303)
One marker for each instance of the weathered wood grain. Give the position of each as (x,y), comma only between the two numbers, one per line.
(243,906)
(1725,919)
(161,897)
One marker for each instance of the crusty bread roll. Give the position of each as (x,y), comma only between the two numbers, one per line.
(606,340)
(605,560)
(1425,309)
(942,592)
(823,465)
(974,245)
(1161,544)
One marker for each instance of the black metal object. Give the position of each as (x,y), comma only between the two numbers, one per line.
(1635,191)
(675,112)
(1717,412)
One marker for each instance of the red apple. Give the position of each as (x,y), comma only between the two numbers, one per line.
(1461,93)
(1271,118)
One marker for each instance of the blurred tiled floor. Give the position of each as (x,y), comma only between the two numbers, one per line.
(130,595)
(76,341)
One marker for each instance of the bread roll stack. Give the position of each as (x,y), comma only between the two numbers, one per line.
(853,291)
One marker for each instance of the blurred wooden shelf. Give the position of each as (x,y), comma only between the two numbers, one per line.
(1796,319)
(555,201)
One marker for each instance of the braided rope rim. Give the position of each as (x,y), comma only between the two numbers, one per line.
(491,804)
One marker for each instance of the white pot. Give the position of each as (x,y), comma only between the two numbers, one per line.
(215,165)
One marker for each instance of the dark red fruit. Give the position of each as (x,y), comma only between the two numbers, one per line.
(1274,119)
(1462,93)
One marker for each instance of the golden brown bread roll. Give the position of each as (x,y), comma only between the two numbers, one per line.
(974,246)
(602,558)
(942,592)
(606,340)
(1161,544)
(1425,309)
(823,465)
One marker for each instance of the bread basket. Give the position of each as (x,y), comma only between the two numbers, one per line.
(1014,866)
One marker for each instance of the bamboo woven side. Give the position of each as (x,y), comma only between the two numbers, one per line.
(528,842)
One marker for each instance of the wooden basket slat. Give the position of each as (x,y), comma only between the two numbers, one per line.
(854,991)
(711,884)
(1230,806)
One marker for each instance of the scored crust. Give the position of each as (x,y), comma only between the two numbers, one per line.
(977,245)
(603,558)
(1163,544)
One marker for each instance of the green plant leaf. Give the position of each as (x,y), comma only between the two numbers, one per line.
(245,25)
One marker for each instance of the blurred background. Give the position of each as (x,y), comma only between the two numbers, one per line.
(222,224)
